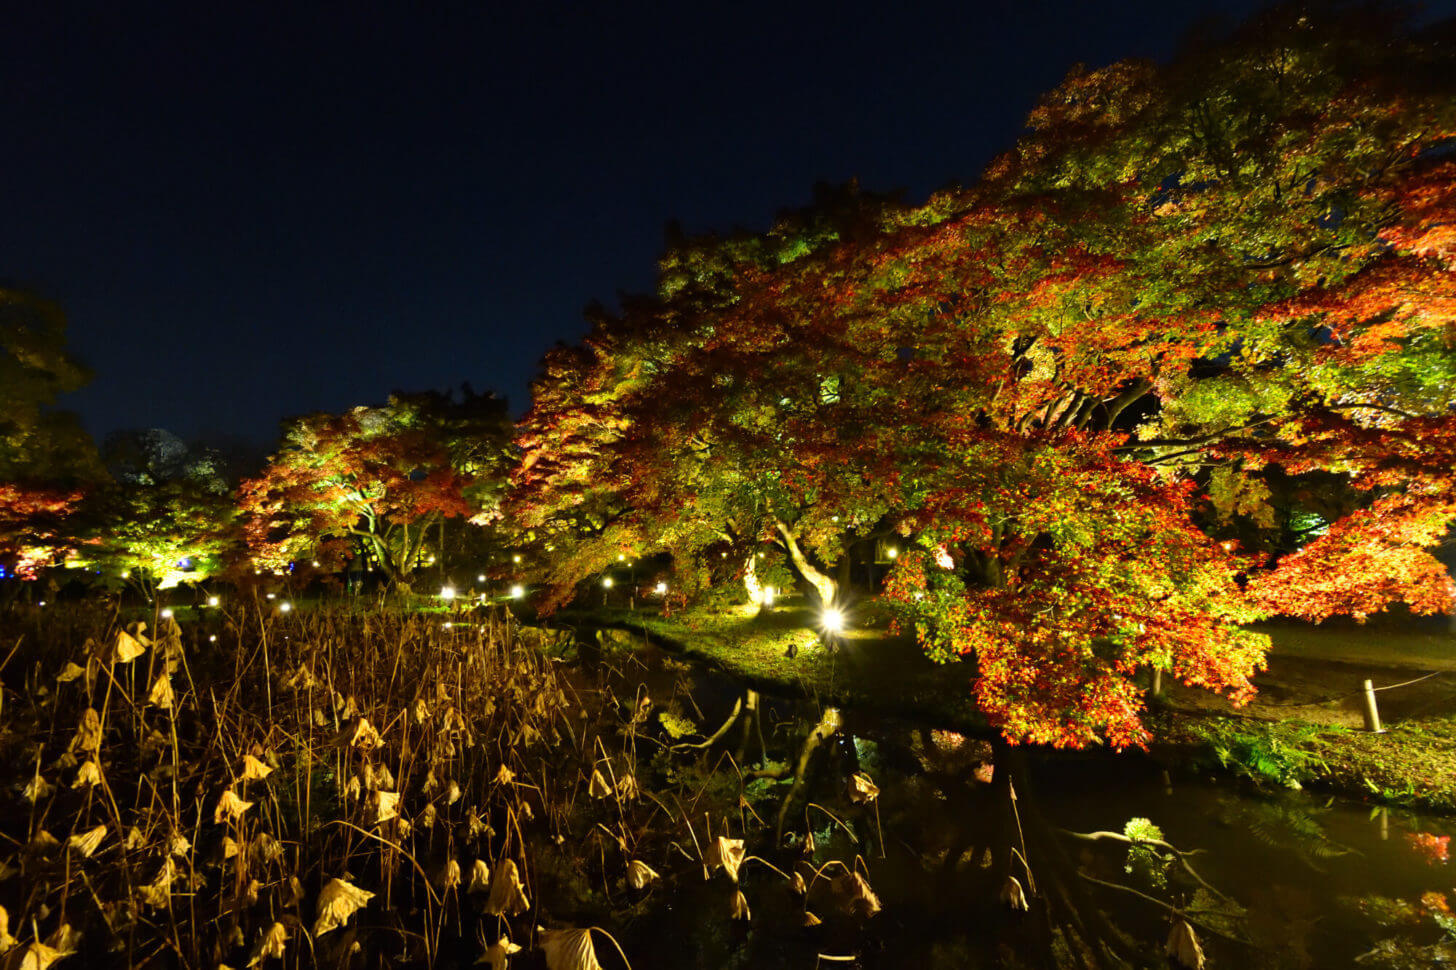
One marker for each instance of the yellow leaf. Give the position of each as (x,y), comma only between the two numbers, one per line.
(507,895)
(87,842)
(569,949)
(336,903)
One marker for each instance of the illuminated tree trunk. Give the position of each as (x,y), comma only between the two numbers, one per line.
(823,583)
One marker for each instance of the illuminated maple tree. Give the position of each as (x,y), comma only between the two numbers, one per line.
(1092,393)
(374,481)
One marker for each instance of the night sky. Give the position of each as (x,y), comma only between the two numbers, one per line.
(275,209)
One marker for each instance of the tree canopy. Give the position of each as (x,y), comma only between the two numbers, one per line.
(374,481)
(1184,357)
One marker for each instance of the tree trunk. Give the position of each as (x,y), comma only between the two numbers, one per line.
(823,584)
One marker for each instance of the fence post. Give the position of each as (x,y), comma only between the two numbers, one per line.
(1372,713)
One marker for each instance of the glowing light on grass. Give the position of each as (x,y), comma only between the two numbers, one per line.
(480,578)
(660,589)
(213,601)
(447,593)
(272,596)
(167,614)
(285,606)
(832,620)
(212,638)
(518,592)
(768,596)
(315,564)
(516,560)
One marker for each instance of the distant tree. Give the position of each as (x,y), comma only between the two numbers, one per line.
(166,519)
(371,480)
(47,461)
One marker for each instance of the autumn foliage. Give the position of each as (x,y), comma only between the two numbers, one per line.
(1094,393)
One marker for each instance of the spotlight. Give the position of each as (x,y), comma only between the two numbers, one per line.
(832,620)
(518,592)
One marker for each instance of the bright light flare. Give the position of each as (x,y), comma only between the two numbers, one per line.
(167,613)
(213,601)
(607,582)
(832,620)
(518,592)
(447,592)
(285,606)
(768,596)
(660,589)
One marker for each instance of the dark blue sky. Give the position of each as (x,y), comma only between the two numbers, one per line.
(254,210)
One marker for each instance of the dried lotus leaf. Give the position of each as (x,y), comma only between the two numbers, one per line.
(88,732)
(70,672)
(337,902)
(386,806)
(855,895)
(126,647)
(569,949)
(479,877)
(498,954)
(89,775)
(37,789)
(862,790)
(270,946)
(1183,946)
(1013,895)
(507,895)
(161,694)
(360,734)
(230,806)
(599,787)
(254,769)
(448,875)
(87,842)
(727,853)
(640,874)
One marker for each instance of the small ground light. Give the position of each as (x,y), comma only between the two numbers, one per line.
(518,591)
(315,564)
(167,614)
(480,578)
(212,638)
(661,589)
(285,606)
(607,582)
(515,559)
(768,596)
(447,593)
(891,552)
(272,596)
(832,620)
(213,601)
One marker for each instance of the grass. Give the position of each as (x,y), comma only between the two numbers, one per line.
(1412,764)
(869,670)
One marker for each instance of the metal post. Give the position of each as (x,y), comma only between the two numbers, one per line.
(1372,714)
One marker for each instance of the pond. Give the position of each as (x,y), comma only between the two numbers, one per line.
(1282,879)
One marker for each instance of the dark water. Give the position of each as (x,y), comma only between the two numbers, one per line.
(1297,880)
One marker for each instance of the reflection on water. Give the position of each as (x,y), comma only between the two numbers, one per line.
(1117,854)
